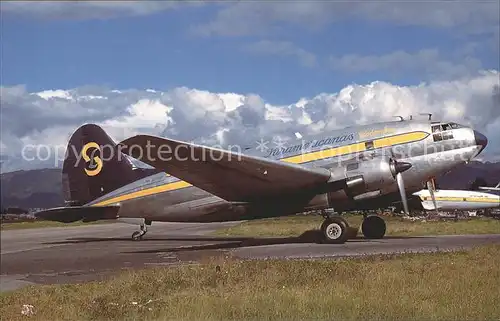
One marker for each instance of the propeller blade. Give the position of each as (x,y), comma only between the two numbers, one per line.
(402,192)
(430,187)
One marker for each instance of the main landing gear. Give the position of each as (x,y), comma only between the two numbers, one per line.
(138,235)
(373,227)
(335,229)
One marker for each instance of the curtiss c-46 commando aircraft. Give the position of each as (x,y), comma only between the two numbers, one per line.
(359,167)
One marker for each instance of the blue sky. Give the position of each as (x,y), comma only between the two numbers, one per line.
(238,71)
(163,50)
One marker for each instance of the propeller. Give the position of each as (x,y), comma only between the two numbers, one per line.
(431,188)
(402,192)
(399,168)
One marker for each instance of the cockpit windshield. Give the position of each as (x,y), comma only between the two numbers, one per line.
(443,131)
(447,126)
(456,126)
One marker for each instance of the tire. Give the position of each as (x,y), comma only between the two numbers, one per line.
(373,227)
(136,236)
(335,230)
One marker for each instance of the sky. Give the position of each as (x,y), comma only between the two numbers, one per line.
(232,71)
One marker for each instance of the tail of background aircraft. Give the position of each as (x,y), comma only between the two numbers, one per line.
(93,166)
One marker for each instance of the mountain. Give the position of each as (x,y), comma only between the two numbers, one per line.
(462,176)
(42,188)
(39,188)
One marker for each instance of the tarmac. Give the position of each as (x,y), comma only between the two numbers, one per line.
(95,252)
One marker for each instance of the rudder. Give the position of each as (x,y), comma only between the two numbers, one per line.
(93,166)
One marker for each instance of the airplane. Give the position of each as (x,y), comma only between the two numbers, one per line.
(359,167)
(458,200)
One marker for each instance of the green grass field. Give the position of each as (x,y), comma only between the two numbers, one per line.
(298,224)
(39,224)
(442,286)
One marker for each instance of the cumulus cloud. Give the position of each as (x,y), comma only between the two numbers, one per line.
(50,117)
(237,19)
(80,10)
(425,62)
(281,48)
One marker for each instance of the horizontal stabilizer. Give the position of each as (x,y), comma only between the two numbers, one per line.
(79,213)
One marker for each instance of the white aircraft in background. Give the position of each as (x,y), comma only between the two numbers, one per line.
(459,199)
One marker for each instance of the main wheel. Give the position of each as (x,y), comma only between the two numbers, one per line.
(373,227)
(137,236)
(335,230)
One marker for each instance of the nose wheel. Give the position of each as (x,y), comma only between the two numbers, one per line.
(138,235)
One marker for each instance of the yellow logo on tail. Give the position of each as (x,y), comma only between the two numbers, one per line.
(96,161)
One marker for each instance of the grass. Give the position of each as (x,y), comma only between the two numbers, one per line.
(298,224)
(441,286)
(41,223)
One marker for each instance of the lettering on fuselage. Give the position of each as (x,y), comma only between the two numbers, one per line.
(313,144)
(371,133)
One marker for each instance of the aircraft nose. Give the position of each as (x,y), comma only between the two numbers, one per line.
(480,140)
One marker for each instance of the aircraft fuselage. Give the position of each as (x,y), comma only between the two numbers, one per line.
(431,148)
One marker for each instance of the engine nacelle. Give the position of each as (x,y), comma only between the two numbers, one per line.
(366,176)
(360,180)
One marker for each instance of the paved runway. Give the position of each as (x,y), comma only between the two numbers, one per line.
(92,252)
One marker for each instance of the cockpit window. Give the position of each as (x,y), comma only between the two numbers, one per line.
(436,128)
(446,126)
(443,131)
(455,126)
(438,137)
(447,135)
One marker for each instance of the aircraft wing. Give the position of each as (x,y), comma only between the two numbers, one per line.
(229,175)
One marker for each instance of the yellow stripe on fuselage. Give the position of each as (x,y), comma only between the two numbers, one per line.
(399,139)
(356,148)
(145,192)
(464,199)
(299,159)
(327,153)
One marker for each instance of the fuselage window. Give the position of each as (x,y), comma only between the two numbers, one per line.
(369,145)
